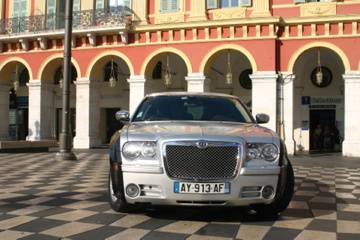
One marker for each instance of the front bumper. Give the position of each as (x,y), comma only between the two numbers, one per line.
(158,189)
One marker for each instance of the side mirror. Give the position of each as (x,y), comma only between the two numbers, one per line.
(262,118)
(122,116)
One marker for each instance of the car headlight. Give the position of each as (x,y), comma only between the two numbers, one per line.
(262,151)
(139,150)
(148,149)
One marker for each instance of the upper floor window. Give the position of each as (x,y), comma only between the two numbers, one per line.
(55,13)
(112,3)
(169,5)
(211,4)
(19,8)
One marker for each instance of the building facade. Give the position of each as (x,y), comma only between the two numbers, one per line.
(296,60)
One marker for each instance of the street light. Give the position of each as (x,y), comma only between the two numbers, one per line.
(319,73)
(229,75)
(65,151)
(16,81)
(167,75)
(115,73)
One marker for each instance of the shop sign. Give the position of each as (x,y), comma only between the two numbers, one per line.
(326,100)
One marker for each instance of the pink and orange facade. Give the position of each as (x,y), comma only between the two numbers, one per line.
(281,42)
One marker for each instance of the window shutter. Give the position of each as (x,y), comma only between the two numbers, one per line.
(16,8)
(127,4)
(100,4)
(164,6)
(245,3)
(299,1)
(50,14)
(51,7)
(173,5)
(76,6)
(211,4)
(23,8)
(19,8)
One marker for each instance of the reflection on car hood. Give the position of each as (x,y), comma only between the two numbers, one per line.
(216,131)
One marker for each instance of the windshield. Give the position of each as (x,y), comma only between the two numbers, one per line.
(192,108)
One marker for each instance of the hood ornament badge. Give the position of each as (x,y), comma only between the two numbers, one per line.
(202,144)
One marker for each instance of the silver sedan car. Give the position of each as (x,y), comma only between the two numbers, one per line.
(198,149)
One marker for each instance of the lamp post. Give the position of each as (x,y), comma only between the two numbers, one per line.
(65,151)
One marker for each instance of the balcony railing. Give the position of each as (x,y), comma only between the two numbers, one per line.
(99,18)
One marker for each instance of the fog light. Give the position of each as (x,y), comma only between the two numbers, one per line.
(267,192)
(132,190)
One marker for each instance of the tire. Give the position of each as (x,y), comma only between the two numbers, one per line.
(282,199)
(117,200)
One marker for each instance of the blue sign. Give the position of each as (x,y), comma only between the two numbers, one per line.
(305,100)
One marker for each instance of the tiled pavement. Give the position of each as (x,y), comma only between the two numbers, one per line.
(41,198)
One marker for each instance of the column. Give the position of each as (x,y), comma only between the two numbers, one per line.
(351,144)
(41,108)
(287,130)
(197,11)
(197,82)
(4,112)
(87,114)
(264,96)
(137,91)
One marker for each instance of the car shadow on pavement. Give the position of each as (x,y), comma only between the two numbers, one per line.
(311,199)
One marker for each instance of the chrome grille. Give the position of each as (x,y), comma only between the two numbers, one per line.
(187,161)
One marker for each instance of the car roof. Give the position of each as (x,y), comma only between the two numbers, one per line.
(210,94)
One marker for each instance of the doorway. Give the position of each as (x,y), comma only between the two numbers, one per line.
(112,125)
(324,134)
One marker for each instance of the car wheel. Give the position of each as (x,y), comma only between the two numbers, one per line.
(117,200)
(281,200)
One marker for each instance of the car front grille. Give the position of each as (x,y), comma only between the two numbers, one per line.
(186,161)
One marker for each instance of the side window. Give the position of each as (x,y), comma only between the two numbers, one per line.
(212,4)
(100,4)
(169,5)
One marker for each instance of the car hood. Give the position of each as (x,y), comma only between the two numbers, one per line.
(215,131)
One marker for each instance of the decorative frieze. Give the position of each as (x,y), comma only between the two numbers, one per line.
(228,13)
(317,9)
(167,18)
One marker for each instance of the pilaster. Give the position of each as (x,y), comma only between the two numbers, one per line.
(4,112)
(197,82)
(264,96)
(261,8)
(286,99)
(137,91)
(140,11)
(41,107)
(87,114)
(351,144)
(198,11)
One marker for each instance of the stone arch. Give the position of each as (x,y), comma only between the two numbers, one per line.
(175,51)
(327,45)
(12,60)
(48,60)
(110,53)
(217,50)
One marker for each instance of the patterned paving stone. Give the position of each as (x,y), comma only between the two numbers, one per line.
(45,199)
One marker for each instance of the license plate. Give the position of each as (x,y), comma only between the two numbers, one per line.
(202,188)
